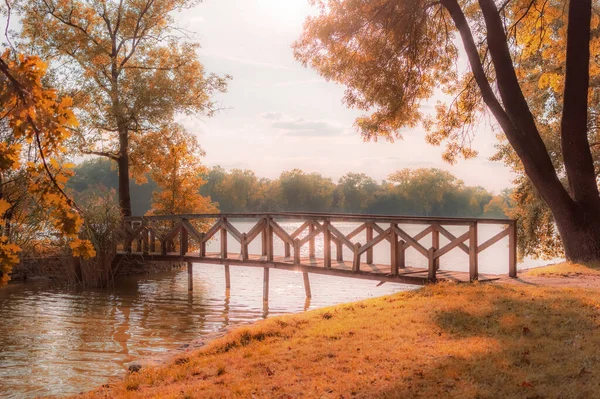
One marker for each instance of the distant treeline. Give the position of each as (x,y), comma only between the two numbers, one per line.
(419,192)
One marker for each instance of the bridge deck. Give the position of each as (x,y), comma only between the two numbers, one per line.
(379,272)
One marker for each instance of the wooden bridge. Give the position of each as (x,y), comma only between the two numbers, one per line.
(185,238)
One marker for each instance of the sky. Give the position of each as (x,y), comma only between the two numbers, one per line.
(278,115)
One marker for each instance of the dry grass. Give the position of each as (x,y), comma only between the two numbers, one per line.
(450,341)
(565,269)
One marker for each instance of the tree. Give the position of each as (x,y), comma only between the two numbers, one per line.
(175,165)
(356,190)
(305,192)
(126,67)
(392,55)
(35,126)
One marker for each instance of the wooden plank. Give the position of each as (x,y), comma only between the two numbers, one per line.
(419,236)
(512,250)
(306,285)
(493,240)
(452,244)
(340,236)
(412,242)
(332,216)
(370,244)
(235,233)
(356,231)
(377,228)
(192,230)
(281,233)
(256,230)
(312,235)
(451,237)
(212,231)
(299,230)
(473,266)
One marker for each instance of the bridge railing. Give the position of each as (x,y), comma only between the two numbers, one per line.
(188,234)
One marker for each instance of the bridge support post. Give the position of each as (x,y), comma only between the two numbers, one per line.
(263,238)
(224,241)
(326,245)
(431,275)
(306,285)
(435,243)
(339,250)
(266,284)
(512,249)
(369,239)
(311,242)
(227,277)
(269,241)
(393,250)
(401,255)
(473,261)
(190,270)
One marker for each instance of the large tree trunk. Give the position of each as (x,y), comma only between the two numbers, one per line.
(123,166)
(580,233)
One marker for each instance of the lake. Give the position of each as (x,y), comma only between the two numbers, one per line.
(57,341)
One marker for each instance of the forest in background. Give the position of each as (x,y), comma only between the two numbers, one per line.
(414,192)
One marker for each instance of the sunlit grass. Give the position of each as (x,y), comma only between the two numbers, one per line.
(458,341)
(565,269)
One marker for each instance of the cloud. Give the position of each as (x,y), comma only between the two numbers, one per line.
(272,115)
(246,61)
(305,127)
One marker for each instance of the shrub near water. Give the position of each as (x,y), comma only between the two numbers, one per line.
(484,341)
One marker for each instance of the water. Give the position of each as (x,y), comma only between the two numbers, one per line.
(63,341)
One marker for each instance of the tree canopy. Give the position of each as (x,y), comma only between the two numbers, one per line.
(529,69)
(127,67)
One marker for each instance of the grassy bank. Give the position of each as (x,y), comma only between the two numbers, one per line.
(565,269)
(442,341)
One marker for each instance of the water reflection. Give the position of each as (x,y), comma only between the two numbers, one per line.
(58,341)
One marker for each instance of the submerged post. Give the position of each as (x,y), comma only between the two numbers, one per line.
(190,270)
(227,277)
(266,284)
(306,285)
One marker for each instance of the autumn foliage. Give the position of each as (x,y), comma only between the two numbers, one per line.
(37,121)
